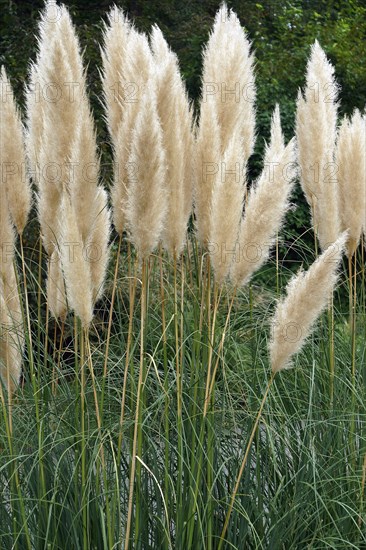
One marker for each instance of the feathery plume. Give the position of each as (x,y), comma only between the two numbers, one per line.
(11,346)
(56,292)
(36,92)
(66,30)
(266,206)
(227,209)
(119,189)
(146,204)
(54,147)
(11,327)
(75,265)
(83,181)
(316,122)
(34,122)
(228,80)
(227,107)
(176,120)
(139,66)
(59,104)
(7,236)
(56,98)
(206,164)
(12,156)
(307,295)
(68,166)
(114,52)
(351,164)
(137,71)
(97,244)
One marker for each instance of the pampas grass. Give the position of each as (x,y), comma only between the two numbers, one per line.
(11,321)
(175,115)
(206,166)
(67,168)
(306,297)
(36,88)
(82,183)
(265,207)
(56,292)
(134,70)
(147,197)
(228,80)
(134,423)
(226,108)
(49,151)
(316,121)
(98,245)
(114,57)
(12,157)
(15,203)
(75,265)
(351,177)
(227,209)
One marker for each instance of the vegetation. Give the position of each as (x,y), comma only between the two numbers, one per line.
(155,408)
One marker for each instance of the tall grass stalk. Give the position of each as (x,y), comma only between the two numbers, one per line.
(166,377)
(331,349)
(244,462)
(137,445)
(352,275)
(179,376)
(15,483)
(110,318)
(127,372)
(83,450)
(219,350)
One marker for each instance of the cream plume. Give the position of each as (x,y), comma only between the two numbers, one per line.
(114,54)
(11,338)
(227,106)
(11,327)
(62,142)
(176,120)
(266,206)
(316,121)
(137,71)
(7,236)
(147,200)
(306,297)
(35,89)
(84,174)
(351,175)
(56,292)
(228,80)
(52,157)
(207,164)
(75,265)
(97,244)
(56,99)
(227,209)
(12,156)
